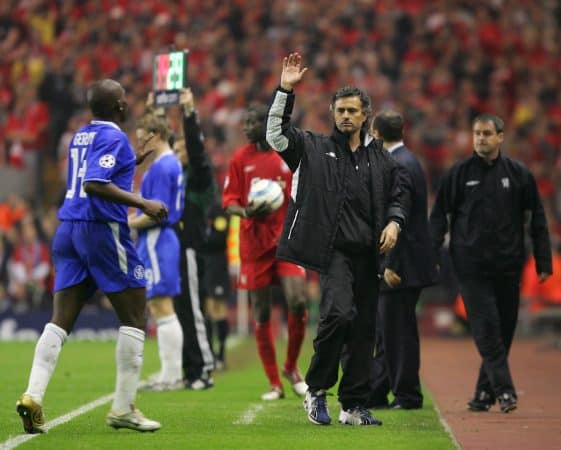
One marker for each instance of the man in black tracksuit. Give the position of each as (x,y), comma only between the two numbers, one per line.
(200,190)
(409,267)
(348,202)
(485,202)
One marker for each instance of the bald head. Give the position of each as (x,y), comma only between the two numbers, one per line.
(106,100)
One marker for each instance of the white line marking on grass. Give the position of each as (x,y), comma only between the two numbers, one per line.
(446,426)
(248,416)
(18,440)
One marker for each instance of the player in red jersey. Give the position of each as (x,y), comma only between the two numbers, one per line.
(259,233)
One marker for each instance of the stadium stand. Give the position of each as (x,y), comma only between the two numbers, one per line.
(439,62)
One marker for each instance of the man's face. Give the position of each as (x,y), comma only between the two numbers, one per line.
(486,140)
(253,127)
(348,115)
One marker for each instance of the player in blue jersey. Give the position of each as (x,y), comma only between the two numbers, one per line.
(92,249)
(158,247)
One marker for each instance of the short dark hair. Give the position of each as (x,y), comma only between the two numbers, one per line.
(485,117)
(260,109)
(103,98)
(351,91)
(389,124)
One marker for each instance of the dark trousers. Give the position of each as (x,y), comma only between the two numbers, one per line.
(492,309)
(347,319)
(395,366)
(198,359)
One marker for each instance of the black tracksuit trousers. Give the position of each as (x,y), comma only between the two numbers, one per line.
(198,359)
(492,308)
(347,321)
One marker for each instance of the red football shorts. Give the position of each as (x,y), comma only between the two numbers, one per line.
(265,271)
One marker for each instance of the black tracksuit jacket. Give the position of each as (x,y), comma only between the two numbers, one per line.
(200,188)
(322,166)
(486,207)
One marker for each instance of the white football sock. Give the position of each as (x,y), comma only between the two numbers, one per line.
(44,362)
(170,346)
(128,355)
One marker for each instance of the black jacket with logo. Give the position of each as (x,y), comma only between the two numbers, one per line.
(322,166)
(485,207)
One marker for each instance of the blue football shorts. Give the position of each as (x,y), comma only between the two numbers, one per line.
(158,249)
(102,253)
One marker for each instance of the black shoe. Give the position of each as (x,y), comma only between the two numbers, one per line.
(482,402)
(507,402)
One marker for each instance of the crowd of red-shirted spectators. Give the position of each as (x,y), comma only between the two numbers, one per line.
(439,62)
(25,261)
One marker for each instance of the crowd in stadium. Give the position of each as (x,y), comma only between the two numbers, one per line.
(438,62)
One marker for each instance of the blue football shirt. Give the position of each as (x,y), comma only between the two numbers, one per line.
(101,152)
(163,181)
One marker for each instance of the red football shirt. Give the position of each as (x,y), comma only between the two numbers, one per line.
(248,165)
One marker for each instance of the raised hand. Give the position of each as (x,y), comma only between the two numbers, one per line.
(292,71)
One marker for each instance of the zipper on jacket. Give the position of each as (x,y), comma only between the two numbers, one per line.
(293,223)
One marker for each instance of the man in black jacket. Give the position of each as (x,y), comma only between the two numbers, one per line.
(409,267)
(200,191)
(348,202)
(486,201)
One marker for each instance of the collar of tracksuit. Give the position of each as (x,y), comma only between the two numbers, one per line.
(343,140)
(484,163)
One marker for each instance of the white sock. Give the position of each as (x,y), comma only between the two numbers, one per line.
(44,362)
(128,355)
(170,345)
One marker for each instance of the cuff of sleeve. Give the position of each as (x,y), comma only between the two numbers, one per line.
(279,88)
(398,222)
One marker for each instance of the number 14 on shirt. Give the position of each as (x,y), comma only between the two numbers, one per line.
(78,165)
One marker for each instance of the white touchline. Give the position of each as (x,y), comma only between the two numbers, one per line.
(446,426)
(18,440)
(248,416)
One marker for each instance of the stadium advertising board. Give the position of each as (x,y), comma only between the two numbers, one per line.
(91,325)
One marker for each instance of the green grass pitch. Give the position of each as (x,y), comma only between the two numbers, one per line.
(229,416)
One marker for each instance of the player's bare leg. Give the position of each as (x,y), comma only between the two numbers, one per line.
(130,306)
(295,292)
(261,303)
(67,305)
